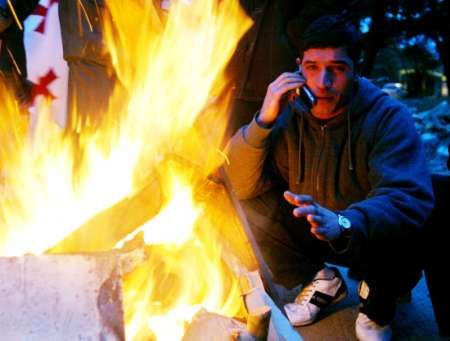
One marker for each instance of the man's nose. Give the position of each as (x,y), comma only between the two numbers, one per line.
(325,79)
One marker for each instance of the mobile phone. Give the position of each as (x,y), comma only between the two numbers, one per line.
(303,99)
(306,96)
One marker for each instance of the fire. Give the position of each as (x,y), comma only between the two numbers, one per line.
(185,272)
(175,223)
(42,202)
(166,119)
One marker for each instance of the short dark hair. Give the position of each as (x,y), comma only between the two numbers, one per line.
(331,31)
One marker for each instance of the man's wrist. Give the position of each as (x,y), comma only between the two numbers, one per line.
(263,123)
(345,226)
(342,243)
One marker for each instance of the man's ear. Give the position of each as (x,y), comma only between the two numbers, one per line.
(298,61)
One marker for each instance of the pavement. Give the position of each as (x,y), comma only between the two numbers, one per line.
(414,320)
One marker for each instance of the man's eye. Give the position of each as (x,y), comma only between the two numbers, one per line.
(311,67)
(340,68)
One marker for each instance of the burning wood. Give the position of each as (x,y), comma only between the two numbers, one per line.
(258,322)
(235,240)
(210,326)
(257,302)
(264,318)
(103,231)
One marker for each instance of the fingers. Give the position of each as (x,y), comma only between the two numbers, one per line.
(311,213)
(306,207)
(323,221)
(305,211)
(285,82)
(298,199)
(289,77)
(319,233)
(315,220)
(275,91)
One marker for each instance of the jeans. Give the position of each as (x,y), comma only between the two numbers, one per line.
(294,255)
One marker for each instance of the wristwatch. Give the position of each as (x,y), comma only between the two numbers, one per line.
(345,226)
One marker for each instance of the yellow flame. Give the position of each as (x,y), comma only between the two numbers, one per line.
(175,222)
(42,201)
(170,103)
(185,273)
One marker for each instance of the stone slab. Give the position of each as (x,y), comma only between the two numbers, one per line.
(61,297)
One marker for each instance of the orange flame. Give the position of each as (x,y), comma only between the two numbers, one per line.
(176,74)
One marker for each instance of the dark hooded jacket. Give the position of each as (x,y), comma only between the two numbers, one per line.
(368,163)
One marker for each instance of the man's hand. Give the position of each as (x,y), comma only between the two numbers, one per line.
(324,223)
(275,91)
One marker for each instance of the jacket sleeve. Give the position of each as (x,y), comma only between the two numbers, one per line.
(247,151)
(401,197)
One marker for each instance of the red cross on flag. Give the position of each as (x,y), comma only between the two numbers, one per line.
(45,64)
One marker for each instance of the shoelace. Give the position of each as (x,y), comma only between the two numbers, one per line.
(306,293)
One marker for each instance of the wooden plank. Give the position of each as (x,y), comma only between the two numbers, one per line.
(103,231)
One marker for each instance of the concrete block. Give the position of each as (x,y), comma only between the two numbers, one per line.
(61,297)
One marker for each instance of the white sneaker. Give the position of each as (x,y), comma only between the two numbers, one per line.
(325,289)
(368,330)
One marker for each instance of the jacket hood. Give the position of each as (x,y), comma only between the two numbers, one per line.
(365,95)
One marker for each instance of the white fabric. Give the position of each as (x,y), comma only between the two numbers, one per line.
(43,47)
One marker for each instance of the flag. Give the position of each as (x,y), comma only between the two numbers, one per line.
(45,64)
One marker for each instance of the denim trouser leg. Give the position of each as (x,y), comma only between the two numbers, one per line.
(269,217)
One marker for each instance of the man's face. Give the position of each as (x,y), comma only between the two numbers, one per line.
(329,73)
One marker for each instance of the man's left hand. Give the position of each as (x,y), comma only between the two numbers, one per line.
(324,223)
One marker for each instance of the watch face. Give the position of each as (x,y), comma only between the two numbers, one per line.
(344,222)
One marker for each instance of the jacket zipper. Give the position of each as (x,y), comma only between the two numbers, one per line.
(322,143)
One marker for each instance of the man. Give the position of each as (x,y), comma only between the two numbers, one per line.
(354,180)
(92,77)
(269,41)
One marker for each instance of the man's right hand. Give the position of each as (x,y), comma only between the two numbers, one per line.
(285,82)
